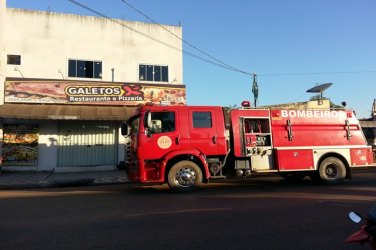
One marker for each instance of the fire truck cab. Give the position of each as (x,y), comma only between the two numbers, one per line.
(187,145)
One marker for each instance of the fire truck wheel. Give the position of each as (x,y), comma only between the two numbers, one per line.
(184,176)
(332,170)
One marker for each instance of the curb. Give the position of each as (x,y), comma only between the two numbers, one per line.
(47,184)
(27,185)
(101,181)
(72,183)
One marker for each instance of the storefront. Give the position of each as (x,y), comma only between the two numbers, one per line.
(62,100)
(70,125)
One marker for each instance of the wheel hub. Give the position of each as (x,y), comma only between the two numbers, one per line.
(186,177)
(331,171)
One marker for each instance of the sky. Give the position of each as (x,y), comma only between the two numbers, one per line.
(291,45)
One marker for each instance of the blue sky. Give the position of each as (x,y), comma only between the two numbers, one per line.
(292,45)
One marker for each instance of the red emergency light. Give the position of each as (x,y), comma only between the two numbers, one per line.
(246,104)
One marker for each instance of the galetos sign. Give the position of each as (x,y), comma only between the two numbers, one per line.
(69,92)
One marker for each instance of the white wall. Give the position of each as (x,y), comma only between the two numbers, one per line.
(122,144)
(2,49)
(47,145)
(47,40)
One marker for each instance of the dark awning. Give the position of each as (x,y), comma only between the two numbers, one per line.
(65,112)
(368,124)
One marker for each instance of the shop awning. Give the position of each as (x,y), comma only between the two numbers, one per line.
(65,112)
(368,124)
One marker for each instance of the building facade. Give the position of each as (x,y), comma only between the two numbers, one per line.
(67,82)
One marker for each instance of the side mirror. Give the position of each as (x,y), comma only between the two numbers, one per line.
(148,120)
(355,217)
(124,129)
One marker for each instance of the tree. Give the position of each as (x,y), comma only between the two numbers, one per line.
(230,107)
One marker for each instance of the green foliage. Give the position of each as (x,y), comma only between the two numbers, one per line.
(230,107)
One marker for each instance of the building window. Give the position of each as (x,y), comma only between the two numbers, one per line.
(84,69)
(153,73)
(202,120)
(14,59)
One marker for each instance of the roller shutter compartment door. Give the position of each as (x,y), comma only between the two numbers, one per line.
(87,143)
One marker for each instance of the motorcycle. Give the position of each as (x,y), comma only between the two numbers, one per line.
(367,233)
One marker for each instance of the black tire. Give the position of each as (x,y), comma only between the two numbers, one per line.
(184,176)
(332,170)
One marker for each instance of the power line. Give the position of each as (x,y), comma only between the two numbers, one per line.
(219,63)
(301,96)
(320,73)
(122,24)
(185,41)
(216,61)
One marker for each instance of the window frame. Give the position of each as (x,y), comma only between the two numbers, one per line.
(13,59)
(153,73)
(199,122)
(90,69)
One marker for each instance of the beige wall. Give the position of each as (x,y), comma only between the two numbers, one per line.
(47,40)
(303,105)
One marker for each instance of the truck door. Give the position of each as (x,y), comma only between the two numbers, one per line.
(206,132)
(161,137)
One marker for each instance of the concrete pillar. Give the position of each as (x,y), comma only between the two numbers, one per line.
(3,55)
(3,62)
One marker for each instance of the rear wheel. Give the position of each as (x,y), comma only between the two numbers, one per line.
(332,170)
(184,176)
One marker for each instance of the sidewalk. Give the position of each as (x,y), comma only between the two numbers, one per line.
(26,180)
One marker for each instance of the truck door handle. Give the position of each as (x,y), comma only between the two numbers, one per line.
(289,130)
(214,139)
(348,132)
(177,140)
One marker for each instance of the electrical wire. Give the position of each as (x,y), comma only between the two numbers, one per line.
(185,41)
(121,23)
(298,98)
(218,63)
(320,73)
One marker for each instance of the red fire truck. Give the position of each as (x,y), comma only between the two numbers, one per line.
(185,146)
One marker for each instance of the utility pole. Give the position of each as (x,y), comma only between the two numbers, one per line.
(255,89)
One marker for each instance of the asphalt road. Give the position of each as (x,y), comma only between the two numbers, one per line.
(260,213)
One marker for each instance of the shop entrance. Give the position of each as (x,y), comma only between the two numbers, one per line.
(87,143)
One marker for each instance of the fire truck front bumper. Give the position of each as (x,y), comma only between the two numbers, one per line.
(146,171)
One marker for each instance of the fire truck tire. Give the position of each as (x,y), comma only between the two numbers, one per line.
(332,170)
(184,176)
